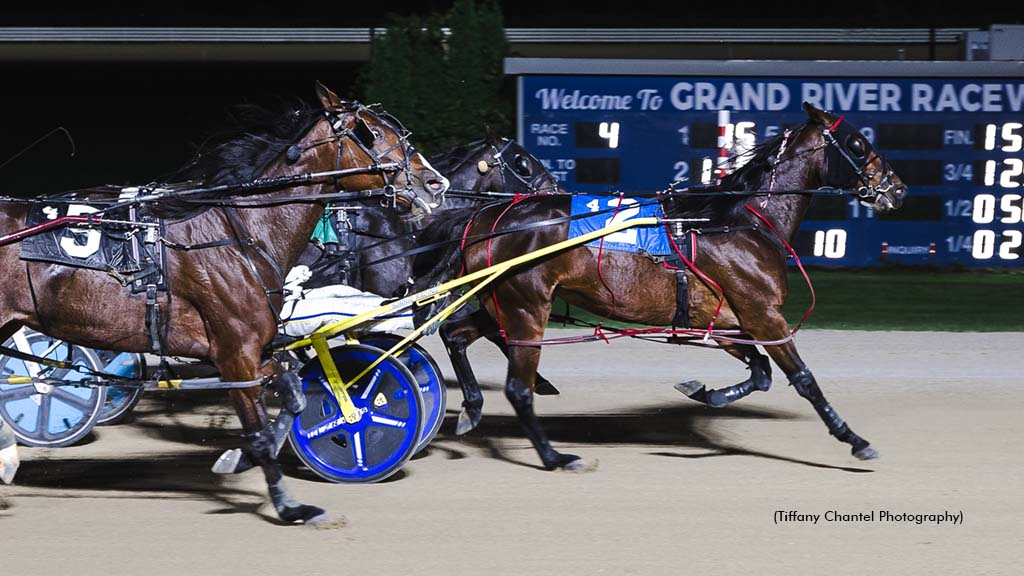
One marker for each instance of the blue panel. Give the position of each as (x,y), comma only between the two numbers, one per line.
(957,143)
(614,209)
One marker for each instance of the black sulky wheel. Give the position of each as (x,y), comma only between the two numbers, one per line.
(428,376)
(385,436)
(46,415)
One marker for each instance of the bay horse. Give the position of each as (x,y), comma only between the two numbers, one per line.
(373,243)
(746,266)
(373,240)
(225,256)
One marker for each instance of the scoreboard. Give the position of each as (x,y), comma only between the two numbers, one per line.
(953,131)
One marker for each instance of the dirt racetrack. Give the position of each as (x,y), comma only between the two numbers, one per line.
(681,489)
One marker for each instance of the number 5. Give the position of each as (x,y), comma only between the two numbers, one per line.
(92,243)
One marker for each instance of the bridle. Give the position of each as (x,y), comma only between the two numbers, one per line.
(847,144)
(364,137)
(523,183)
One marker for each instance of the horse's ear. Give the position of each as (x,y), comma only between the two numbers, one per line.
(816,115)
(489,133)
(328,98)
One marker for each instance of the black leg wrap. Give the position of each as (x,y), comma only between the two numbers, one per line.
(521,398)
(267,442)
(289,386)
(807,387)
(262,448)
(760,380)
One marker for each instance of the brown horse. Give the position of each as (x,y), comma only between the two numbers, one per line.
(225,259)
(746,265)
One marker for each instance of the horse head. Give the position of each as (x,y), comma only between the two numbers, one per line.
(505,166)
(408,180)
(852,163)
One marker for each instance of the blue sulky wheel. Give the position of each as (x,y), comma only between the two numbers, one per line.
(382,440)
(49,416)
(427,375)
(121,399)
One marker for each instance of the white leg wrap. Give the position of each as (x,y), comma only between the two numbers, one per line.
(9,463)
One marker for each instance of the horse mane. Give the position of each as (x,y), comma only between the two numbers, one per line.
(450,160)
(238,154)
(714,202)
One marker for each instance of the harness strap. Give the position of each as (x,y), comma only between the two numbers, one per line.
(15,353)
(238,230)
(203,246)
(494,291)
(153,320)
(795,259)
(600,252)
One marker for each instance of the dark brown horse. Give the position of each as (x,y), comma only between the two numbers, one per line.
(225,260)
(747,263)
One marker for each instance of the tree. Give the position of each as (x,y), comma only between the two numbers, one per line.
(445,90)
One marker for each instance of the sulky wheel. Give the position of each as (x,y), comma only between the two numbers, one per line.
(121,399)
(45,415)
(382,440)
(427,375)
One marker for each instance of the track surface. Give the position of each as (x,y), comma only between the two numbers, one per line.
(680,489)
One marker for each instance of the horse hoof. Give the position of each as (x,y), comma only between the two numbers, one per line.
(305,514)
(545,388)
(694,390)
(466,422)
(580,466)
(232,461)
(865,453)
(325,522)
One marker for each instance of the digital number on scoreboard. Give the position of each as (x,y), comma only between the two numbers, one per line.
(958,143)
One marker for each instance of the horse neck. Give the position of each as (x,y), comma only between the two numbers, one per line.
(284,230)
(786,211)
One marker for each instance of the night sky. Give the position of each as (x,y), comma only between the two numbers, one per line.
(133,123)
(526,13)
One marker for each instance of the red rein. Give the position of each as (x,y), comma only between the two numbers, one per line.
(48,225)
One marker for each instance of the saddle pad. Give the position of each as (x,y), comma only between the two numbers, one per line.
(118,249)
(94,248)
(647,239)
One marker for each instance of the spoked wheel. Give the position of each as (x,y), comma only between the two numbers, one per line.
(427,375)
(45,415)
(121,399)
(383,439)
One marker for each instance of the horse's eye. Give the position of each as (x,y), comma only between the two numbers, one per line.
(855,146)
(522,166)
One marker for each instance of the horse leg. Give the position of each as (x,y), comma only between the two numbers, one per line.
(487,327)
(760,379)
(522,367)
(457,335)
(287,385)
(773,326)
(542,386)
(262,435)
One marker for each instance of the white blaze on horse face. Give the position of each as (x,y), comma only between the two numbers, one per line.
(445,184)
